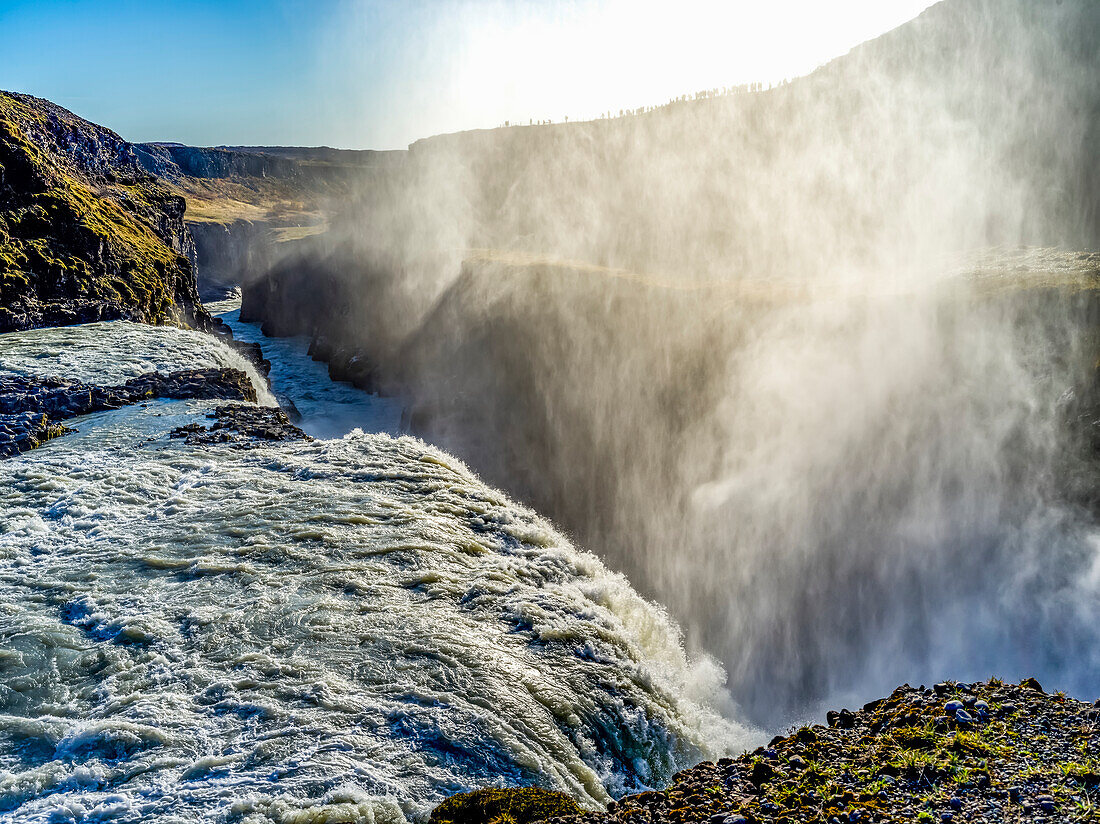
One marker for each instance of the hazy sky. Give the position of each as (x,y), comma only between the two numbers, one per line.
(382,73)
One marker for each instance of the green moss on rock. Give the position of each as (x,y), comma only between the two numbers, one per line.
(511,806)
(83,225)
(1014,754)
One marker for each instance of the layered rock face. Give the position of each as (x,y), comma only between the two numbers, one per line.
(174,160)
(85,232)
(231,254)
(246,202)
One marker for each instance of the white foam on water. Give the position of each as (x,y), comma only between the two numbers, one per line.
(112,352)
(333,630)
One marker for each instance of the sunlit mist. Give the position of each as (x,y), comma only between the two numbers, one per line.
(477,64)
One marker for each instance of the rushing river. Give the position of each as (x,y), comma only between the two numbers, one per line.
(328,409)
(337,630)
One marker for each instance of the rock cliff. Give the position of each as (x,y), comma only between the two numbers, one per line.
(85,232)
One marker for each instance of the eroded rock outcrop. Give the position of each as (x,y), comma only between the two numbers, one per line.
(241,425)
(86,233)
(24,431)
(32,407)
(991,751)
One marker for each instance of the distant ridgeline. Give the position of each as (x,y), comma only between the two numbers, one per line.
(244,202)
(86,233)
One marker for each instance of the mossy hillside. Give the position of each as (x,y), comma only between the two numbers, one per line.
(79,221)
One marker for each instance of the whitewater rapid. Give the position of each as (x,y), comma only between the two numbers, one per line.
(335,630)
(113,352)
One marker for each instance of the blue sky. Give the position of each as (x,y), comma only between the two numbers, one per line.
(188,71)
(382,73)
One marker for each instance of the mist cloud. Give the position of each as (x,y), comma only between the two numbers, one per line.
(728,345)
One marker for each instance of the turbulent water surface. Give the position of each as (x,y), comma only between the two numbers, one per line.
(326,630)
(111,353)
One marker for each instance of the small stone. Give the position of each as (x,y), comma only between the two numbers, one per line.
(955,804)
(762,773)
(963,717)
(951,707)
(941,722)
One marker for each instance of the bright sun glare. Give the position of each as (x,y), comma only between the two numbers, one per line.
(476,64)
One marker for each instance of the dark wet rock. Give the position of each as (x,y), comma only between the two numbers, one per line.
(295,298)
(806,735)
(253,353)
(184,431)
(23,431)
(288,406)
(213,384)
(231,253)
(762,772)
(28,313)
(249,350)
(60,399)
(241,425)
(31,407)
(843,719)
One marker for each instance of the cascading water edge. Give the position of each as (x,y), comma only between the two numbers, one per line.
(332,628)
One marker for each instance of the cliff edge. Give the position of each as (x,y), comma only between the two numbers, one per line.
(86,233)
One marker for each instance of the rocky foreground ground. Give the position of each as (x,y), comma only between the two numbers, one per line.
(987,752)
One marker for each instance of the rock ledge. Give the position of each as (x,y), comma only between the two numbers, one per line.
(31,407)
